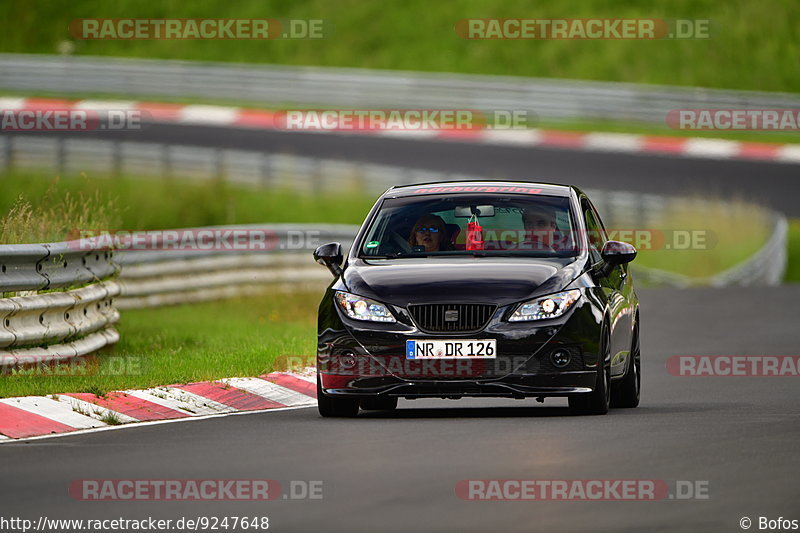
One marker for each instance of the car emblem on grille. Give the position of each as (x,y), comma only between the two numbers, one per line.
(451,315)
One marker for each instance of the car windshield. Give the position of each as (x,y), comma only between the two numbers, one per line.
(480,224)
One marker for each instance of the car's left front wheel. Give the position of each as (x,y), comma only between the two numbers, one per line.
(598,401)
(628,391)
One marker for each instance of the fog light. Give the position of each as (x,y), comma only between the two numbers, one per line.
(348,360)
(560,358)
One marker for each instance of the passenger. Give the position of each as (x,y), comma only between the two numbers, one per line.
(430,231)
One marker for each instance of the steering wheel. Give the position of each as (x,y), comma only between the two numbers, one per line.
(401,242)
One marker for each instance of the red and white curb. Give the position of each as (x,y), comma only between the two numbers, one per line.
(211,115)
(36,416)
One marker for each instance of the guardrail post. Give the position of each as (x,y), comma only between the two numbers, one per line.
(316,177)
(8,153)
(61,155)
(116,159)
(166,161)
(219,164)
(266,169)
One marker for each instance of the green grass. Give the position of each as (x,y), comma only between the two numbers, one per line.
(793,259)
(753,45)
(149,204)
(732,231)
(188,343)
(55,215)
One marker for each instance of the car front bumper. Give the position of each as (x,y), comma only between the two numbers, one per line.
(510,386)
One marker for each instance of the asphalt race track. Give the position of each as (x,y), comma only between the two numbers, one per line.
(775,184)
(398,471)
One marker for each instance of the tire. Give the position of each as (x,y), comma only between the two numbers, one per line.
(627,393)
(596,402)
(335,407)
(379,403)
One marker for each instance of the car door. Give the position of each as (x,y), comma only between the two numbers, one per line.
(616,288)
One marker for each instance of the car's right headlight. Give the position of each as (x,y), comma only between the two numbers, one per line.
(544,307)
(360,308)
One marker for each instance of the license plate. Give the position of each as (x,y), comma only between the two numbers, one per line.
(451,349)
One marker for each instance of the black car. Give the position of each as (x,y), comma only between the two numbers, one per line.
(479,289)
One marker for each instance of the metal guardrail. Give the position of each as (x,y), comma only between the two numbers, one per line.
(57,325)
(36,267)
(766,267)
(264,84)
(151,278)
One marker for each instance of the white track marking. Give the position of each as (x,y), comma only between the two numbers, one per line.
(208,114)
(530,137)
(54,410)
(407,134)
(94,411)
(62,409)
(711,147)
(181,401)
(152,423)
(789,153)
(201,401)
(12,103)
(613,142)
(271,391)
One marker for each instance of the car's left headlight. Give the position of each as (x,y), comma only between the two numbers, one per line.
(360,308)
(544,307)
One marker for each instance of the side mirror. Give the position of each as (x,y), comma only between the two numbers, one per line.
(330,256)
(618,253)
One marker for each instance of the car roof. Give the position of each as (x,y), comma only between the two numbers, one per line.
(477,186)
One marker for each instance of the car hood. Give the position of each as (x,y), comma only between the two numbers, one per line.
(499,281)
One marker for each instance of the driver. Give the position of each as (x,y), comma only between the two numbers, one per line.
(430,231)
(540,227)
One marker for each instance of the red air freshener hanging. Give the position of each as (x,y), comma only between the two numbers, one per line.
(474,234)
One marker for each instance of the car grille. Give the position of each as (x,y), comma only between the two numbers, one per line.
(451,317)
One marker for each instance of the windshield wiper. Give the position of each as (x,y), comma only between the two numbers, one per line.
(393,255)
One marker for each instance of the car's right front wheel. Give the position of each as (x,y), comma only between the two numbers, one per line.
(335,407)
